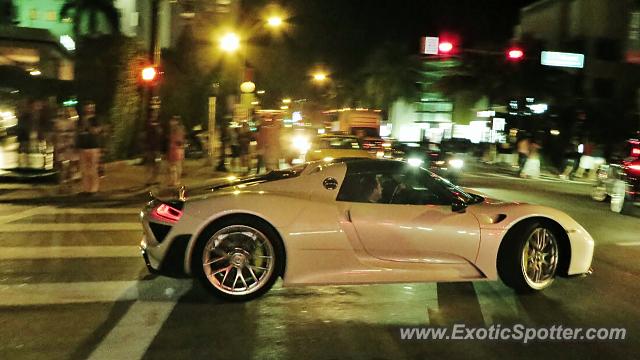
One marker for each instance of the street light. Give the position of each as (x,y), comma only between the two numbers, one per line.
(274,21)
(230,42)
(319,77)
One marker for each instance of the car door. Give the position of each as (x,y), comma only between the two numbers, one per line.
(417,226)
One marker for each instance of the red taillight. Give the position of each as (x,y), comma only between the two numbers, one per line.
(166,213)
(634,168)
(635,152)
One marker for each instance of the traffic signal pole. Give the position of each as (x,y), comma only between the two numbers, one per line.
(151,100)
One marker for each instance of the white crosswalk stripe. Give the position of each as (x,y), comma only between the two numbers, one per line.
(67,252)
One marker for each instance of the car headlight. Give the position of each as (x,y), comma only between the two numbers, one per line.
(415,162)
(301,144)
(456,163)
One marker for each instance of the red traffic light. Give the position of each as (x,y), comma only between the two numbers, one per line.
(445,47)
(149,74)
(515,54)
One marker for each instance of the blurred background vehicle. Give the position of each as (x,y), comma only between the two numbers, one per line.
(619,181)
(333,146)
(431,156)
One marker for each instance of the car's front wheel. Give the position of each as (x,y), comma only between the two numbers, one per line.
(239,259)
(528,258)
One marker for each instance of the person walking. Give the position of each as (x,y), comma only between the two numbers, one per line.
(244,142)
(175,155)
(531,168)
(523,152)
(89,145)
(155,141)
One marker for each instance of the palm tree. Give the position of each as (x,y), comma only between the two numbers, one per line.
(78,9)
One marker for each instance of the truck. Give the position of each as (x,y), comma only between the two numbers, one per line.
(360,122)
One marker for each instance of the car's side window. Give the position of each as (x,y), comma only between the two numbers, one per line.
(362,187)
(410,187)
(417,187)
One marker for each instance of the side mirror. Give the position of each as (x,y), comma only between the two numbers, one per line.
(458,206)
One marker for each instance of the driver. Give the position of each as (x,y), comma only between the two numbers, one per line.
(371,189)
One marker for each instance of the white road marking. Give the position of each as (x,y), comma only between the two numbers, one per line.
(25,214)
(50,227)
(133,334)
(632,243)
(67,252)
(67,293)
(71,211)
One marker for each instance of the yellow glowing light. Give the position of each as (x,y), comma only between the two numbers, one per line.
(284,107)
(35,72)
(286,101)
(274,21)
(231,178)
(230,42)
(319,77)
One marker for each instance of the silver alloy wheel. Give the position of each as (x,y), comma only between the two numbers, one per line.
(599,192)
(540,258)
(238,260)
(617,196)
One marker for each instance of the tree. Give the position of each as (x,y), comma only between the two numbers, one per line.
(7,12)
(77,10)
(388,75)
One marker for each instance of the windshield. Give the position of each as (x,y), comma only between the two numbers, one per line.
(455,190)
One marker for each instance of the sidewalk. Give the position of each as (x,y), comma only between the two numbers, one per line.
(549,173)
(123,180)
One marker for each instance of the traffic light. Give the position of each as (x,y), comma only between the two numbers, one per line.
(445,47)
(149,75)
(515,54)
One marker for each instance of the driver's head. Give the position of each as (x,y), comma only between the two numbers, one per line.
(371,188)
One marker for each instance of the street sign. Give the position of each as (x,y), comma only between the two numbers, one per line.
(429,45)
(562,59)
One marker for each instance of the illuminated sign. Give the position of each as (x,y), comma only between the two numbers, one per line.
(570,60)
(429,45)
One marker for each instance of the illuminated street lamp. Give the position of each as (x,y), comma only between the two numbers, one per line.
(230,42)
(274,21)
(319,77)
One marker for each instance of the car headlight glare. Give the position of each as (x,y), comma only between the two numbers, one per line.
(456,163)
(415,162)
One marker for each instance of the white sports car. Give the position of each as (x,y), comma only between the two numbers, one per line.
(357,221)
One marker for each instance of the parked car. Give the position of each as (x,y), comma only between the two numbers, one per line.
(357,221)
(620,180)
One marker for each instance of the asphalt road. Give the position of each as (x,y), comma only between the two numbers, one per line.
(72,286)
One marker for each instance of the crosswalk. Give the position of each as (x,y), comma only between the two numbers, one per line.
(51,256)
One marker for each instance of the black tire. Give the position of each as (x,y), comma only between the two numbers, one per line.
(511,252)
(260,226)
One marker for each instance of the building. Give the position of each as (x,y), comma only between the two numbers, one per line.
(606,32)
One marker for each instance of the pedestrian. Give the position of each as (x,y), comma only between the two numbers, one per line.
(89,143)
(270,138)
(155,142)
(523,152)
(572,159)
(531,168)
(235,148)
(244,142)
(175,154)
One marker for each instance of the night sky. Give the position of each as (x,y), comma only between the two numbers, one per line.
(343,32)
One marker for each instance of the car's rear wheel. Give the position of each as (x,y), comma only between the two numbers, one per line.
(528,259)
(239,259)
